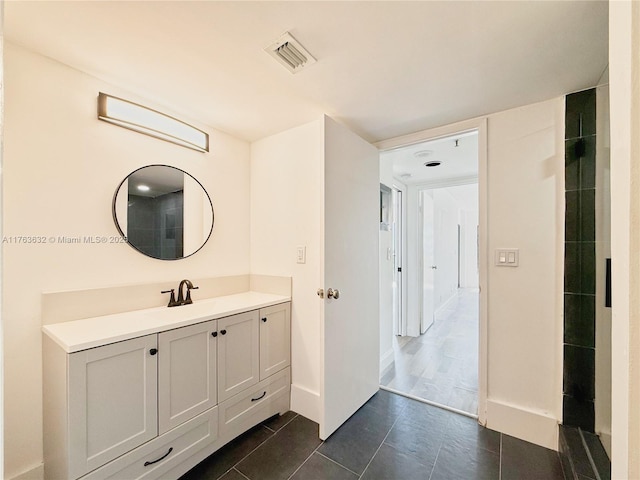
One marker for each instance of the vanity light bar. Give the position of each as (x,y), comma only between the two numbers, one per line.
(150,122)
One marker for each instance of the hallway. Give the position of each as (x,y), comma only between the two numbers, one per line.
(441,365)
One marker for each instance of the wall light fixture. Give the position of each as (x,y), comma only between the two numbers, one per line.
(150,122)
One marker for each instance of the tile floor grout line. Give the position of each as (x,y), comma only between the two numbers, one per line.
(382,442)
(433,468)
(592,463)
(239,472)
(305,460)
(435,460)
(244,458)
(276,431)
(337,463)
(500,460)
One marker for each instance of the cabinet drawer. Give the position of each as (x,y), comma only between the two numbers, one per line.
(180,443)
(256,404)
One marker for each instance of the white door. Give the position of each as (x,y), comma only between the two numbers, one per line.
(186,373)
(428,261)
(350,334)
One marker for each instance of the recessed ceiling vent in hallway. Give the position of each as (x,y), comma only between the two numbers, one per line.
(290,53)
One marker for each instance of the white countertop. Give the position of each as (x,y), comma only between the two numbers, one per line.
(97,331)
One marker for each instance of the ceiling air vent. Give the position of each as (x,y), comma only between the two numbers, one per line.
(288,51)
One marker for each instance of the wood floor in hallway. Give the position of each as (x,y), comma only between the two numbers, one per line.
(441,365)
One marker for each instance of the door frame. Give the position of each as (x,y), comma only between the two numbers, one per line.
(479,124)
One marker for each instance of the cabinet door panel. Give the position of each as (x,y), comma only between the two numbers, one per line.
(238,362)
(112,401)
(186,373)
(275,339)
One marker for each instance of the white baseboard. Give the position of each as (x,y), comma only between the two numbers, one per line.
(534,427)
(386,360)
(305,402)
(36,473)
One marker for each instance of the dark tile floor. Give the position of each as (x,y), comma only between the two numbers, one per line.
(389,438)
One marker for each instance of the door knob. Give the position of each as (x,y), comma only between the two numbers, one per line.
(434,267)
(320,292)
(331,293)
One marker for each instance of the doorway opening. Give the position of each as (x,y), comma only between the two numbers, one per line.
(433,354)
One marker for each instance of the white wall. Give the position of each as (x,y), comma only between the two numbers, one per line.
(469,251)
(624,82)
(526,211)
(286,212)
(61,168)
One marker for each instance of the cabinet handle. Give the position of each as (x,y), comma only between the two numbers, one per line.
(153,351)
(261,396)
(264,319)
(223,332)
(146,464)
(214,334)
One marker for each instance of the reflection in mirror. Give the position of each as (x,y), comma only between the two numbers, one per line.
(163,212)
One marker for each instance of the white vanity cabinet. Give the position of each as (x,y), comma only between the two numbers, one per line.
(155,405)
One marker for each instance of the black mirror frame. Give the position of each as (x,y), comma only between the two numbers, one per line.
(115,218)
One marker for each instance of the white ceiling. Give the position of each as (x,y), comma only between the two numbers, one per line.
(384,68)
(456,162)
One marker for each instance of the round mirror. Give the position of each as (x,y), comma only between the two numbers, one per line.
(163,212)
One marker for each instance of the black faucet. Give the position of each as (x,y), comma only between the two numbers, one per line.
(172,300)
(182,300)
(186,300)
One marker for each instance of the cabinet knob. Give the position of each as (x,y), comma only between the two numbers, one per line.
(264,319)
(153,351)
(223,332)
(214,334)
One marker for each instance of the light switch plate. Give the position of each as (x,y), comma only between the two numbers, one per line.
(301,254)
(507,257)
